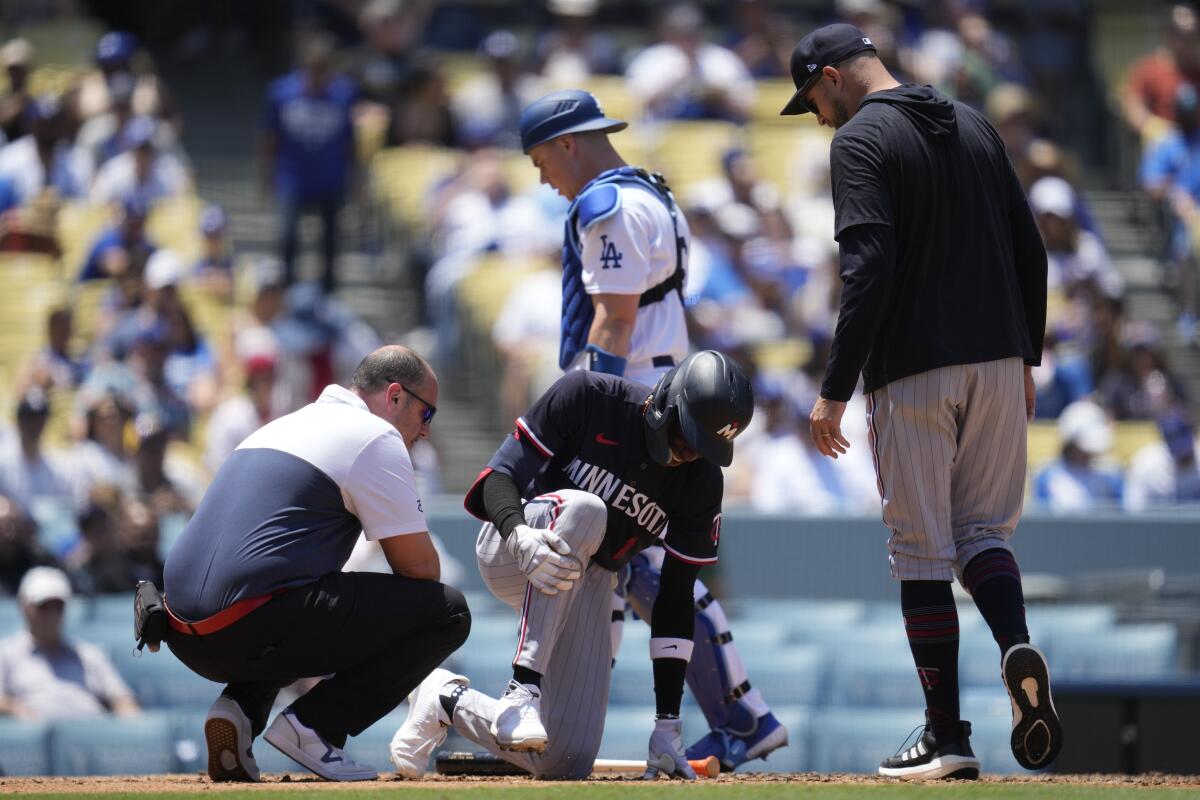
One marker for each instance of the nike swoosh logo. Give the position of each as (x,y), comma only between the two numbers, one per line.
(671,647)
(602,439)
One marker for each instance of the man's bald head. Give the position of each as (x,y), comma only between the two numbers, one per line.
(393,363)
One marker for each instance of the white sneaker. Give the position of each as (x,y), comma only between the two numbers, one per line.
(426,726)
(227,733)
(305,746)
(518,723)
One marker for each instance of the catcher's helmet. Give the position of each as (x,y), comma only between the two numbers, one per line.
(712,400)
(566,111)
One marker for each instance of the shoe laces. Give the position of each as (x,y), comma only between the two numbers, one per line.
(911,740)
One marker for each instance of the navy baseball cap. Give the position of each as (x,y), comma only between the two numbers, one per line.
(566,111)
(822,48)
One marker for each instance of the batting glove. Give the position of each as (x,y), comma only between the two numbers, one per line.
(544,558)
(666,752)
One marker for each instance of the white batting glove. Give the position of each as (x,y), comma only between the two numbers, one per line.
(544,558)
(666,752)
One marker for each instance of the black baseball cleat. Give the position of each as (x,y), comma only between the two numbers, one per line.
(1037,733)
(929,759)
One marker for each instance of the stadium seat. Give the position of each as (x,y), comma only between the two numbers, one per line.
(159,680)
(874,680)
(1121,652)
(1049,620)
(794,675)
(627,731)
(856,740)
(113,745)
(24,747)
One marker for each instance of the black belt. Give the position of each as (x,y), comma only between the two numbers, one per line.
(663,361)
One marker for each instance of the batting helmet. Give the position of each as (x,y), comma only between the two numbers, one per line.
(712,400)
(566,111)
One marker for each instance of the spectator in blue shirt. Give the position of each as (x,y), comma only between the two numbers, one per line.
(309,150)
(1076,482)
(122,248)
(1170,172)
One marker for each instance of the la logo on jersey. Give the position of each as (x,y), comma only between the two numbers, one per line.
(729,431)
(610,257)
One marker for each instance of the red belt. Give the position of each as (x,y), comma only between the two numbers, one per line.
(222,619)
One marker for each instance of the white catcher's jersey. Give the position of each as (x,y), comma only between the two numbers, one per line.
(629,252)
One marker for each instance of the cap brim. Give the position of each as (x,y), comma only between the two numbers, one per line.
(603,125)
(796,105)
(713,448)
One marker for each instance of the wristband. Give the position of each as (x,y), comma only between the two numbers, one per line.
(600,360)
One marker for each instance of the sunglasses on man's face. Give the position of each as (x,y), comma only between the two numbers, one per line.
(430,408)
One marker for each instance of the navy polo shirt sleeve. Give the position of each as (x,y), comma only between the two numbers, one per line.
(860,189)
(694,534)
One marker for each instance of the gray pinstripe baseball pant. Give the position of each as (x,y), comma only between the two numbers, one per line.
(949,448)
(565,637)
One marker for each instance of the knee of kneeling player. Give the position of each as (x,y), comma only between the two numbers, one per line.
(584,518)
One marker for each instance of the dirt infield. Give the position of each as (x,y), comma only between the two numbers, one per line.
(169,784)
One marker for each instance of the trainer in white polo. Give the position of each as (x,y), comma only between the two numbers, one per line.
(426,726)
(518,723)
(307,748)
(227,732)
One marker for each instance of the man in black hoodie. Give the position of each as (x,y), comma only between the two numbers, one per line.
(943,313)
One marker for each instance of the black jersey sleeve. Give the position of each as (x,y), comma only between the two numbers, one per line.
(860,189)
(694,530)
(551,426)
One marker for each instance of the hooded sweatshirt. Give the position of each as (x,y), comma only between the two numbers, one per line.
(941,258)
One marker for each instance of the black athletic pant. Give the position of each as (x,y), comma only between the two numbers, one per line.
(378,635)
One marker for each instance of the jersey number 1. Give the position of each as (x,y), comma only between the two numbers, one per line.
(609,257)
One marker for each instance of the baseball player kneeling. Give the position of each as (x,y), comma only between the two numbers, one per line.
(595,472)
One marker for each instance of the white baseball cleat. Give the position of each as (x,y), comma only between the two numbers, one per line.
(518,724)
(305,746)
(426,726)
(227,733)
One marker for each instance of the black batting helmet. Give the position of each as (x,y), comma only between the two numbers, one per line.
(710,397)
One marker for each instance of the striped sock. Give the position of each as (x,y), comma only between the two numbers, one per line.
(931,622)
(994,581)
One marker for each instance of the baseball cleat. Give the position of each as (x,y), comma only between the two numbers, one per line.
(929,759)
(307,748)
(227,733)
(518,724)
(426,726)
(732,751)
(1037,733)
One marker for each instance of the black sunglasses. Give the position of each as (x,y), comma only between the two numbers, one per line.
(430,408)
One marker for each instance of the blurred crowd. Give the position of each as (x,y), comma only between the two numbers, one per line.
(130,404)
(142,401)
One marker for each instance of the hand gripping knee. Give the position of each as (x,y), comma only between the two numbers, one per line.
(545,558)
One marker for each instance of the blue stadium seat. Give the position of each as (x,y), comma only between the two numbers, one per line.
(113,745)
(159,680)
(794,675)
(1121,652)
(856,740)
(990,714)
(24,747)
(187,737)
(880,680)
(1047,621)
(371,746)
(627,731)
(978,659)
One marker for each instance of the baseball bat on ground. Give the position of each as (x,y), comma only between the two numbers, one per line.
(458,763)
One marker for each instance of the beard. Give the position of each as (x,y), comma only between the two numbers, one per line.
(840,114)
